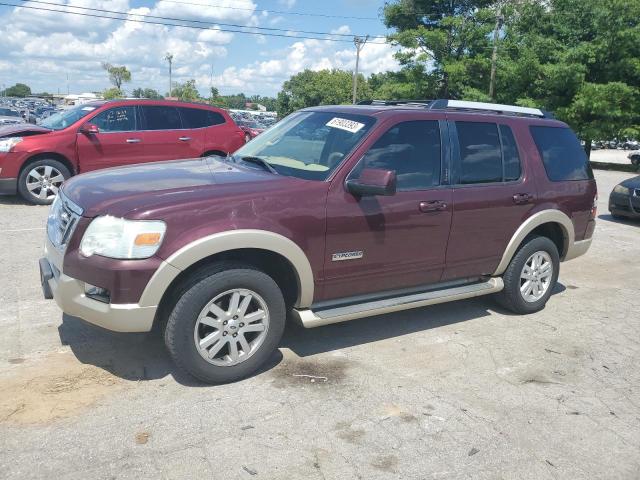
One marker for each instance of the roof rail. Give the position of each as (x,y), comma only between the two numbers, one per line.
(443,104)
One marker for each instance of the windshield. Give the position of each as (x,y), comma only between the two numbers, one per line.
(309,145)
(68,117)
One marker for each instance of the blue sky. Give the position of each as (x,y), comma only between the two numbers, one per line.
(43,48)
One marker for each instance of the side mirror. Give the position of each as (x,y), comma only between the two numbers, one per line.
(89,129)
(373,181)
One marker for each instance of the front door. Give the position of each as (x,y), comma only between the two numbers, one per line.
(117,143)
(391,242)
(492,195)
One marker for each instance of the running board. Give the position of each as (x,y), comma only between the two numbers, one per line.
(310,319)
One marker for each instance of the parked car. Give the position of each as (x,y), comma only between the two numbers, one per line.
(10,117)
(390,206)
(35,160)
(624,200)
(250,128)
(635,158)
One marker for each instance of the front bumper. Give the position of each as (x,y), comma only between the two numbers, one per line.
(8,186)
(624,205)
(69,294)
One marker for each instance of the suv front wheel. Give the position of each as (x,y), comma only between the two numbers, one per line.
(40,181)
(531,276)
(225,326)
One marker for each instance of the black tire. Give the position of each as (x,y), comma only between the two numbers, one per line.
(179,331)
(511,298)
(23,179)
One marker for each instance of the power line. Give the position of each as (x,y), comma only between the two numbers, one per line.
(234,25)
(277,12)
(196,27)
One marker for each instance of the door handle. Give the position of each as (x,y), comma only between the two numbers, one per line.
(184,139)
(522,198)
(133,140)
(433,206)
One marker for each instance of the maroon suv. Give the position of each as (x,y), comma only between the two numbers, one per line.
(35,160)
(336,213)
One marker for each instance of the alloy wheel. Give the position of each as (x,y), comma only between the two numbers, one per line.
(44,181)
(231,327)
(536,276)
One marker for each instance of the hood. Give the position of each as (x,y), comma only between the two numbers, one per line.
(22,129)
(633,182)
(144,187)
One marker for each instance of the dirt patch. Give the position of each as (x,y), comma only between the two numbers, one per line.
(57,386)
(351,435)
(386,463)
(316,373)
(142,437)
(395,411)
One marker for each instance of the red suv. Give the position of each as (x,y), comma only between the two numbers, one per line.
(336,213)
(35,160)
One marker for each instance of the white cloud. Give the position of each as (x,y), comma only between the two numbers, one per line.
(287,3)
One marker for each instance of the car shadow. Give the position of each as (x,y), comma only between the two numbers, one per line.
(13,200)
(620,220)
(143,356)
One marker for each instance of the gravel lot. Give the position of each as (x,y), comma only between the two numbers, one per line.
(462,390)
(611,156)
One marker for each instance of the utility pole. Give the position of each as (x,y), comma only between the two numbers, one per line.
(494,56)
(169,58)
(359,43)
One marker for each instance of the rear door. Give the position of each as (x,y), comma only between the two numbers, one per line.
(164,135)
(492,195)
(195,122)
(117,143)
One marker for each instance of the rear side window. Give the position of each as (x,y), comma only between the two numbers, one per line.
(161,118)
(200,118)
(510,157)
(563,157)
(480,154)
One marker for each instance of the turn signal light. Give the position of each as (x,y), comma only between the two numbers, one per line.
(147,239)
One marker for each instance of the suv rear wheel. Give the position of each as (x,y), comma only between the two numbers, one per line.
(225,326)
(39,181)
(531,276)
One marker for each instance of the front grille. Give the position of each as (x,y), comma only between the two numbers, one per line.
(63,218)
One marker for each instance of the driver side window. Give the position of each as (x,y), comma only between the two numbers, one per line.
(412,150)
(118,119)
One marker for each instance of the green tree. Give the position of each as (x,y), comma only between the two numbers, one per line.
(146,93)
(18,90)
(117,75)
(578,58)
(447,40)
(112,93)
(325,87)
(186,91)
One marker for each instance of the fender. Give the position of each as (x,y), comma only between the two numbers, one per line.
(530,224)
(225,241)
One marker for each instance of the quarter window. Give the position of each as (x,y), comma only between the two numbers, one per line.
(412,149)
(488,153)
(200,118)
(161,118)
(118,119)
(563,157)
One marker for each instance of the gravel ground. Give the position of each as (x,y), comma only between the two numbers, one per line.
(463,390)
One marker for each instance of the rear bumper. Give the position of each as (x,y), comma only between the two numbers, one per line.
(8,186)
(69,294)
(577,249)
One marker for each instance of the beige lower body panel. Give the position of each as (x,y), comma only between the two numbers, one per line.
(310,319)
(577,249)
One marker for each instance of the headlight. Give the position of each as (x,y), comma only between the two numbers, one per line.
(123,239)
(6,144)
(621,189)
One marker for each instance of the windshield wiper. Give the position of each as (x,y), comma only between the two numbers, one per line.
(262,162)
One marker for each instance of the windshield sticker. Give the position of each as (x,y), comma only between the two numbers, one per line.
(88,109)
(344,124)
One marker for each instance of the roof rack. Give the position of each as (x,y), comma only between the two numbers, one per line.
(463,105)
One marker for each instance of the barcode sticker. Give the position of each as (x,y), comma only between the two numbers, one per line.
(344,124)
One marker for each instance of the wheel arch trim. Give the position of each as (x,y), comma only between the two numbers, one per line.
(230,240)
(530,224)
